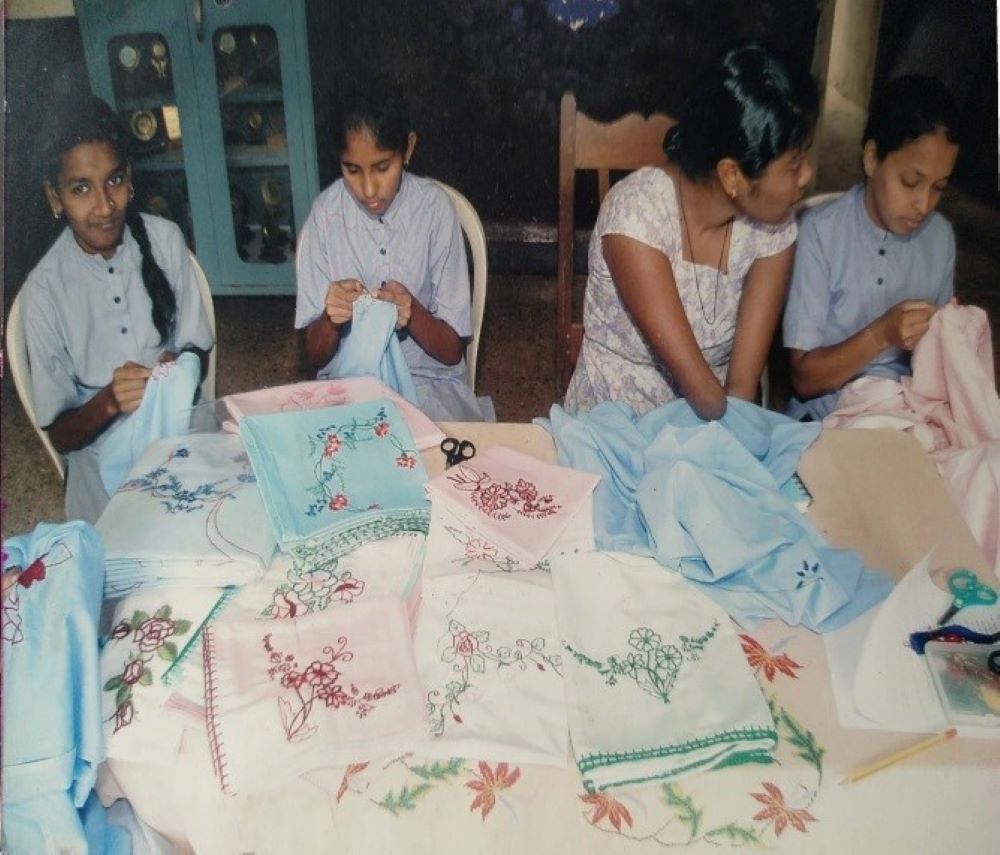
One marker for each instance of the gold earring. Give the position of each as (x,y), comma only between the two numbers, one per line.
(57,215)
(732,194)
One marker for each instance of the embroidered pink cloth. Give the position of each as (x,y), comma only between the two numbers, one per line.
(519,503)
(286,696)
(950,405)
(315,394)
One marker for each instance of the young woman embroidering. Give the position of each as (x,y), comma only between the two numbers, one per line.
(115,294)
(689,264)
(383,231)
(873,266)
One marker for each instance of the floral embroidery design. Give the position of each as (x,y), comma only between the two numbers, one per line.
(776,811)
(651,664)
(321,680)
(313,399)
(488,783)
(500,500)
(809,574)
(759,658)
(312,589)
(469,652)
(326,445)
(176,498)
(150,639)
(14,578)
(478,549)
(605,807)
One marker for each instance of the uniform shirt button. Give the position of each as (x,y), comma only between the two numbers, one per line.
(880,280)
(124,330)
(881,252)
(118,299)
(111,270)
(381,220)
(382,251)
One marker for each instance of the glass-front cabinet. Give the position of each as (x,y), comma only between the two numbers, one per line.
(216,96)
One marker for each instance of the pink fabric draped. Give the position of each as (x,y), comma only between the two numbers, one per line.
(950,405)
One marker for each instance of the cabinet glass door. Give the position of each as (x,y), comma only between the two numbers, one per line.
(142,82)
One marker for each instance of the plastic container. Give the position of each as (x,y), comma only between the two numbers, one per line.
(969,691)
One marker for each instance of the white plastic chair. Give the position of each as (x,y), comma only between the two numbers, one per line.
(20,367)
(472,227)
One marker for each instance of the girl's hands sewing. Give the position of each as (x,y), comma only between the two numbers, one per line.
(339,301)
(904,324)
(396,292)
(128,384)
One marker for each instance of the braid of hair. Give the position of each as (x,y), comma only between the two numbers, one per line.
(153,277)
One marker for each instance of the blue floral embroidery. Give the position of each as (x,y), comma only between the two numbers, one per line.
(175,497)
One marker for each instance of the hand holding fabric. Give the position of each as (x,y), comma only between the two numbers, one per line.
(395,292)
(339,301)
(904,324)
(128,384)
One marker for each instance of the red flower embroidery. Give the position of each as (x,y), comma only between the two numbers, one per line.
(778,812)
(406,461)
(153,633)
(292,680)
(353,769)
(133,672)
(121,630)
(758,657)
(606,807)
(465,643)
(332,446)
(320,673)
(123,715)
(338,502)
(382,429)
(348,589)
(488,782)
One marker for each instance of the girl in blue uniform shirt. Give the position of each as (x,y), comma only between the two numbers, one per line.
(379,229)
(115,294)
(874,265)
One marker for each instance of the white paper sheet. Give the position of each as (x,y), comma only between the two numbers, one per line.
(878,680)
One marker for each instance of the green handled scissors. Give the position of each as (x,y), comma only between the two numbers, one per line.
(967,590)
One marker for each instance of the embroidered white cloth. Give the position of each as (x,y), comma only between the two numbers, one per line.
(190,514)
(323,473)
(316,394)
(286,696)
(640,638)
(151,632)
(519,503)
(489,658)
(320,575)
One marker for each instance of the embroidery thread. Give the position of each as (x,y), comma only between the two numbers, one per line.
(499,500)
(651,664)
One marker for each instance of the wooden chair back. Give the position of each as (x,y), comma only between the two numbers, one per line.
(622,145)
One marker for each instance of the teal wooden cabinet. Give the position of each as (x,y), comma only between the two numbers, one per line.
(217,97)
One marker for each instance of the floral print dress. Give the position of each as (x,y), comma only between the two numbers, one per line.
(616,363)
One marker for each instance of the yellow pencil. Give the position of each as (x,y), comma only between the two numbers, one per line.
(902,754)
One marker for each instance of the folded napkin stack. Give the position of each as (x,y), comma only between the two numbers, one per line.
(520,504)
(642,639)
(330,472)
(189,514)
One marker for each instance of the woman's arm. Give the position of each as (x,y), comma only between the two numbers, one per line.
(80,426)
(763,296)
(645,281)
(436,337)
(825,369)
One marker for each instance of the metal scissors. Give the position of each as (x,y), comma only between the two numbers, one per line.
(966,590)
(457,450)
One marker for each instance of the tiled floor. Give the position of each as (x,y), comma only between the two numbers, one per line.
(516,361)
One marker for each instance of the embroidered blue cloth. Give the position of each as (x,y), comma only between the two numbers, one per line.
(165,411)
(703,499)
(53,738)
(372,349)
(327,472)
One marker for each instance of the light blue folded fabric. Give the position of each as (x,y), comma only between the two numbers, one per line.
(703,498)
(327,472)
(53,737)
(371,349)
(165,411)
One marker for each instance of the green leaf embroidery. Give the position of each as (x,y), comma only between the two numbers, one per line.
(438,771)
(802,739)
(112,684)
(406,800)
(167,650)
(181,626)
(737,834)
(124,694)
(162,612)
(146,679)
(139,618)
(687,813)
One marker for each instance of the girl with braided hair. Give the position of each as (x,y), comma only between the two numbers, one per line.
(115,294)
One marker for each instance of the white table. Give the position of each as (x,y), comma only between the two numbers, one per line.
(875,491)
